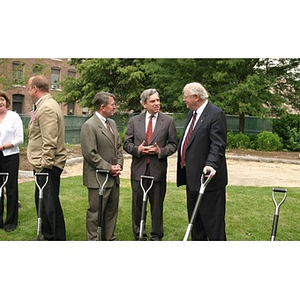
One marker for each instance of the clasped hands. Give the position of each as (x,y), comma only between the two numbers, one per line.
(148,150)
(115,170)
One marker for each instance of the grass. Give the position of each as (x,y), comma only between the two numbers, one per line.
(249,213)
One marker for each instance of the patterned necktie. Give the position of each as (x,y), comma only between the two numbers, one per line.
(110,130)
(187,139)
(32,112)
(149,131)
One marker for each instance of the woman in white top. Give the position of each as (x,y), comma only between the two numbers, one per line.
(11,136)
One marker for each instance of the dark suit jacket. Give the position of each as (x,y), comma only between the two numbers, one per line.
(164,135)
(206,148)
(99,151)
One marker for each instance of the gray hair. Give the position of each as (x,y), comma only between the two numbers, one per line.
(147,93)
(196,88)
(102,98)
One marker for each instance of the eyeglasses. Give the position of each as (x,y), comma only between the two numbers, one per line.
(186,97)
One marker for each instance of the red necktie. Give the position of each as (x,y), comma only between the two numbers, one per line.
(187,139)
(149,134)
(149,131)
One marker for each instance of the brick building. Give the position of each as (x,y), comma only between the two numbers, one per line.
(14,75)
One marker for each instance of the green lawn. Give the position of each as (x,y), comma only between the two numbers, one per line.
(249,213)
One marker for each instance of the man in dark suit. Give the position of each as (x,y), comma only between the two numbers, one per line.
(102,149)
(202,150)
(150,158)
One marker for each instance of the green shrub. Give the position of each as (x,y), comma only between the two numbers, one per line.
(293,143)
(230,139)
(238,141)
(122,135)
(288,129)
(268,141)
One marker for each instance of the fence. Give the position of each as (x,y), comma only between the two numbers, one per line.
(73,124)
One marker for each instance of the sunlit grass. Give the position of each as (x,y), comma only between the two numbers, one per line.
(249,213)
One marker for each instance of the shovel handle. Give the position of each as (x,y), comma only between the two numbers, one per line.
(277,206)
(274,227)
(41,187)
(151,178)
(101,186)
(279,190)
(5,176)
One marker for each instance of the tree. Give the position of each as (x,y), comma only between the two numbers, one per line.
(122,77)
(252,86)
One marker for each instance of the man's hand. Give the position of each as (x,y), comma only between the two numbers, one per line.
(209,170)
(115,170)
(148,150)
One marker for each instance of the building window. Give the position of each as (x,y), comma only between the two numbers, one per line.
(18,72)
(17,103)
(71,108)
(37,69)
(71,73)
(55,78)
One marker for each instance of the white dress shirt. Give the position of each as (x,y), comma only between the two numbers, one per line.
(199,112)
(153,120)
(11,131)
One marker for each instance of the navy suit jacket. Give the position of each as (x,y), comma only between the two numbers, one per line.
(206,148)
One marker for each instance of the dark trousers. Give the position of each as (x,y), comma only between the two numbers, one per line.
(10,164)
(156,198)
(53,223)
(209,222)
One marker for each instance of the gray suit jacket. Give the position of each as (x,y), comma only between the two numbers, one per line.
(99,151)
(164,135)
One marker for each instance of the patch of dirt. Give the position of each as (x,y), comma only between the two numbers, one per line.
(267,154)
(73,151)
(242,170)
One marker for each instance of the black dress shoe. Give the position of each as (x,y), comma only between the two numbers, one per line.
(156,238)
(9,228)
(41,239)
(144,238)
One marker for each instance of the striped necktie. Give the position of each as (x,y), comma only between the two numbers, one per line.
(110,130)
(187,139)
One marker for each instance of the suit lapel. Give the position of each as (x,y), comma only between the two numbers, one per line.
(201,119)
(198,124)
(142,126)
(38,107)
(112,138)
(104,129)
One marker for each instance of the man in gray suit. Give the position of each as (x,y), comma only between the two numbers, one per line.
(150,158)
(102,149)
